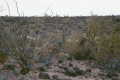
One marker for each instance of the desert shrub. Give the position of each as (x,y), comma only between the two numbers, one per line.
(24,70)
(103,34)
(15,43)
(43,69)
(108,47)
(72,43)
(9,67)
(78,47)
(3,57)
(74,72)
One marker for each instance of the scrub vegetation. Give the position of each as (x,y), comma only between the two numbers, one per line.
(31,43)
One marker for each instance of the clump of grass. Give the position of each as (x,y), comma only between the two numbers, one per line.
(43,69)
(24,70)
(73,72)
(70,73)
(9,67)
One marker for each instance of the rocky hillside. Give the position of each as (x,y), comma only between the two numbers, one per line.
(60,48)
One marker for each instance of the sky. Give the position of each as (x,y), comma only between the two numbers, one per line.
(60,7)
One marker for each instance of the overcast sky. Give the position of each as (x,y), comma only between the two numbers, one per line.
(61,7)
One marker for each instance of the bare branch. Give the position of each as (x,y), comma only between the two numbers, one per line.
(17,7)
(8,7)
